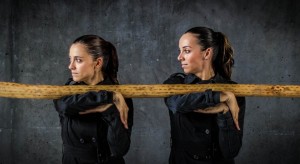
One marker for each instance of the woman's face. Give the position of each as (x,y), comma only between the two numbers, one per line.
(82,65)
(191,56)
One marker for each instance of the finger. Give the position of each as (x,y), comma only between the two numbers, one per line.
(125,119)
(122,119)
(237,118)
(97,109)
(211,111)
(225,110)
(123,116)
(236,122)
(85,112)
(199,111)
(106,107)
(88,111)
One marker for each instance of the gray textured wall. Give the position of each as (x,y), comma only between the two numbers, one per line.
(35,36)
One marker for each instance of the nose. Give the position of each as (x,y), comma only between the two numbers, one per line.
(71,65)
(180,57)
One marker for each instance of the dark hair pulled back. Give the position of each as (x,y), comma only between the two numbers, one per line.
(222,51)
(98,47)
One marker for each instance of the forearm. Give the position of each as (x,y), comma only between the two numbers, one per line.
(192,101)
(72,105)
(219,108)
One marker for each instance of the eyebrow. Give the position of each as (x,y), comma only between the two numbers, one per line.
(186,47)
(76,56)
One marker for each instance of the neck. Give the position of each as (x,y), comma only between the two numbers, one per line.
(206,74)
(97,78)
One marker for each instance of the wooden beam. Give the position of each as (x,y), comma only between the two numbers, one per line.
(17,90)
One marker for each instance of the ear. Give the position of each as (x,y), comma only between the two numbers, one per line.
(99,63)
(208,54)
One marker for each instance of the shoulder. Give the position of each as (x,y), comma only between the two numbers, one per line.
(220,79)
(176,78)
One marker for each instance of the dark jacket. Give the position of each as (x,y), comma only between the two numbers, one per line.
(96,137)
(202,138)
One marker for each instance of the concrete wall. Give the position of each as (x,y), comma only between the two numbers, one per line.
(36,34)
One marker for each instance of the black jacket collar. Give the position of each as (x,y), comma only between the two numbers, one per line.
(106,81)
(193,79)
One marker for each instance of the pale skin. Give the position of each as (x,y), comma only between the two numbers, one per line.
(199,62)
(85,69)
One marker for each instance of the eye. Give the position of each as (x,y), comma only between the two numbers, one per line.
(78,60)
(186,51)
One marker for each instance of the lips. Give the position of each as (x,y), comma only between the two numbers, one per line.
(183,65)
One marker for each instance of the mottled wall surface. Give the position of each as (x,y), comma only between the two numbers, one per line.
(5,75)
(36,34)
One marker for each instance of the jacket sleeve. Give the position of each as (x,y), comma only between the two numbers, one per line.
(72,105)
(230,139)
(117,136)
(192,101)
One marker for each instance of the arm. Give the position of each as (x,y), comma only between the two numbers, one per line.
(119,102)
(189,102)
(192,101)
(230,138)
(204,102)
(221,107)
(228,102)
(72,105)
(118,135)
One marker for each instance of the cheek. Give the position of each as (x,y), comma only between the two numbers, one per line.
(88,69)
(196,62)
(192,59)
(84,68)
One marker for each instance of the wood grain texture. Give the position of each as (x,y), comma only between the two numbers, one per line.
(17,90)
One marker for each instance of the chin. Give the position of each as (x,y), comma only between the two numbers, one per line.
(186,72)
(76,79)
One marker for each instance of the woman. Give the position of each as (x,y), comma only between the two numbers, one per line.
(202,131)
(94,125)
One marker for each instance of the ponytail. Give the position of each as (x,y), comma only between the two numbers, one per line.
(224,57)
(111,64)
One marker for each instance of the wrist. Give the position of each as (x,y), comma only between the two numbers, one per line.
(223,97)
(115,97)
(226,96)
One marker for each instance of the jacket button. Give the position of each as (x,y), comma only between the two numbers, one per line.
(81,140)
(94,139)
(196,157)
(207,131)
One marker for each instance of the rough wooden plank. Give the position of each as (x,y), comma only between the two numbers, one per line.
(17,90)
